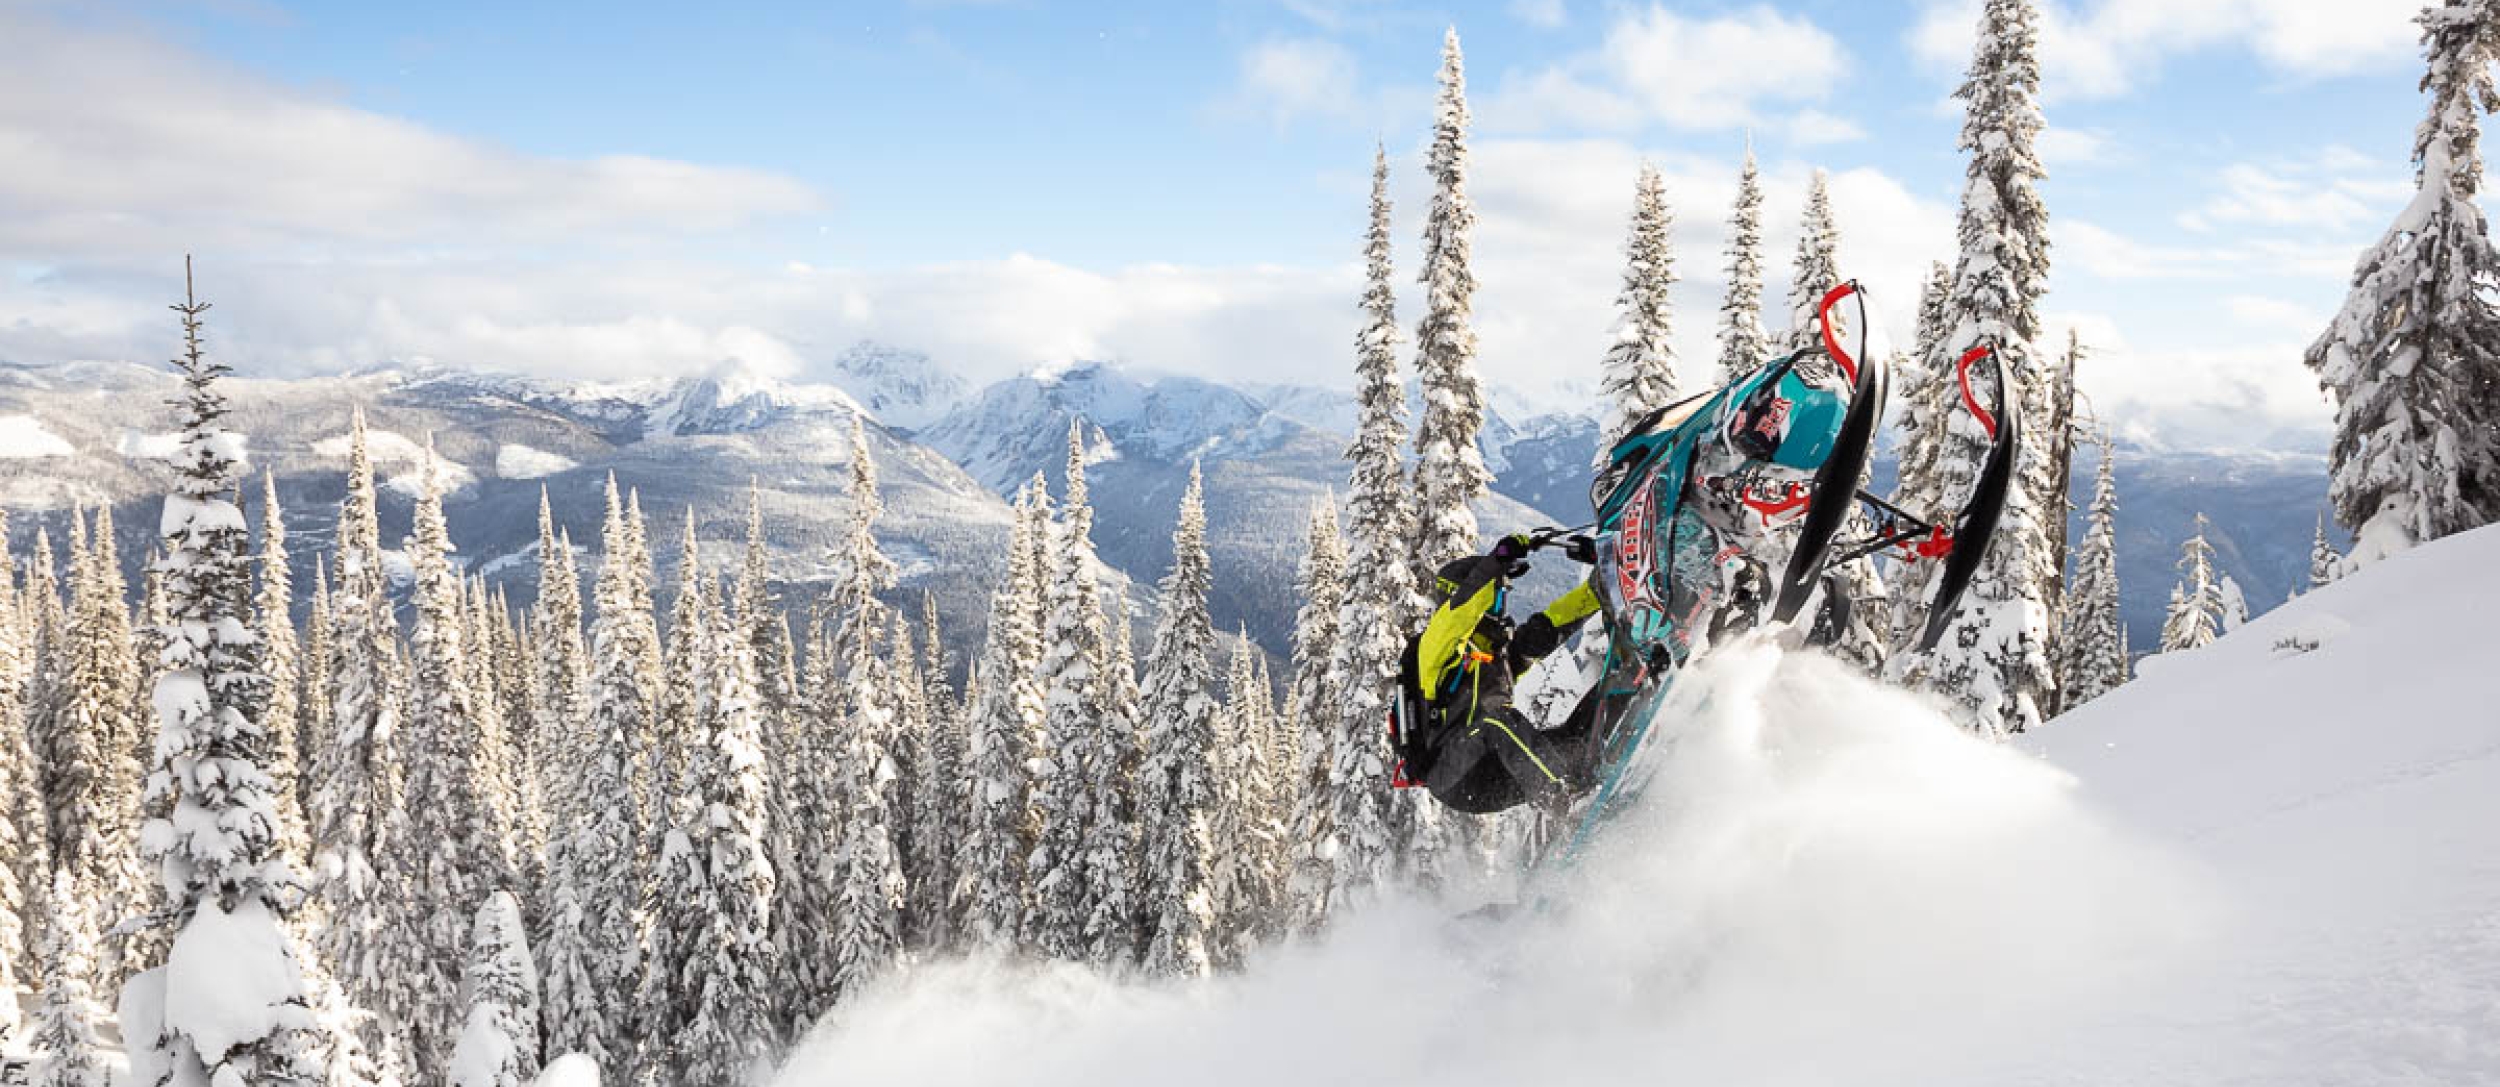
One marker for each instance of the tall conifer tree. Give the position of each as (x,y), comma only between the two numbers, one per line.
(2413,360)
(1380,594)
(1311,710)
(1993,659)
(2093,657)
(1638,373)
(1449,467)
(358,810)
(1743,344)
(1175,783)
(216,848)
(280,665)
(1077,722)
(1004,724)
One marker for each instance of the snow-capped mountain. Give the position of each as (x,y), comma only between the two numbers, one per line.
(695,443)
(904,389)
(1264,470)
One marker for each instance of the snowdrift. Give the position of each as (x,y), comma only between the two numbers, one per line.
(2253,865)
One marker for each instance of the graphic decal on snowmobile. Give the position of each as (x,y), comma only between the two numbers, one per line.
(1706,496)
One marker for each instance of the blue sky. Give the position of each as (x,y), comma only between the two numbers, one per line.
(613,189)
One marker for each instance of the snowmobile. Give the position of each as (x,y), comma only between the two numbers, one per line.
(1672,579)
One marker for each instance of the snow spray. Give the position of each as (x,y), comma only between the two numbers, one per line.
(1825,882)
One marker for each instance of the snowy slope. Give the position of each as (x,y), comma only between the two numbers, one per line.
(2252,867)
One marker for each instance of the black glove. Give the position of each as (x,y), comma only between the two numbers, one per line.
(1512,552)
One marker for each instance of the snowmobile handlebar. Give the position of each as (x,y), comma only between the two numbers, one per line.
(1575,543)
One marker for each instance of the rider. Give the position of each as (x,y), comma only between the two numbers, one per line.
(1477,753)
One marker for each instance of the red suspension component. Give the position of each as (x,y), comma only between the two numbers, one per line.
(1831,343)
(1962,372)
(1769,506)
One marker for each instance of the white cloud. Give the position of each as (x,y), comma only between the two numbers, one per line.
(2249,394)
(2062,146)
(2106,49)
(117,146)
(2274,313)
(1542,14)
(2337,191)
(1814,127)
(1695,73)
(1284,79)
(2102,252)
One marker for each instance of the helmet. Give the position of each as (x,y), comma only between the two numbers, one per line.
(1787,420)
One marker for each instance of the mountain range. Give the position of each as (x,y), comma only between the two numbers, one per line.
(948,455)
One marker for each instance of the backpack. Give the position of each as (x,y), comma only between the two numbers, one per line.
(1412,724)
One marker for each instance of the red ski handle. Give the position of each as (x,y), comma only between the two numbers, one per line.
(1831,342)
(1962,373)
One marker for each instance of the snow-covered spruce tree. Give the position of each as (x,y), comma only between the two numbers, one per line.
(1743,344)
(1114,861)
(862,573)
(16,774)
(591,955)
(1817,268)
(573,1008)
(768,639)
(909,749)
(1246,876)
(274,617)
(1449,467)
(25,837)
(43,623)
(1176,799)
(89,789)
(1004,725)
(2060,420)
(559,663)
(685,641)
(649,656)
(2325,565)
(2413,360)
(1638,373)
(732,971)
(929,869)
(2197,604)
(228,1005)
(357,807)
(498,1044)
(676,898)
(64,1047)
(1311,711)
(455,851)
(801,746)
(1077,721)
(2092,658)
(513,664)
(314,713)
(498,752)
(1380,595)
(1992,662)
(2234,602)
(868,897)
(1281,741)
